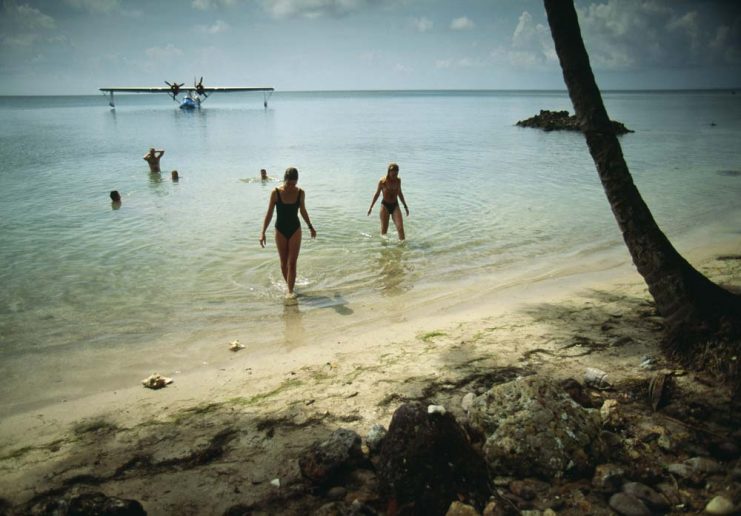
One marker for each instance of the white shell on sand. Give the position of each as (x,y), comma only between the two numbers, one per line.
(435,409)
(596,378)
(235,346)
(156,381)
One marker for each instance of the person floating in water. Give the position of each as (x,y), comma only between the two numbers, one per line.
(175,176)
(289,201)
(115,199)
(153,158)
(264,174)
(391,188)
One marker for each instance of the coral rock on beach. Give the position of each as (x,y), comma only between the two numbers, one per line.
(533,428)
(156,381)
(561,121)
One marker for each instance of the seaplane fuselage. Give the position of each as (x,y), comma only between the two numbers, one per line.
(190,102)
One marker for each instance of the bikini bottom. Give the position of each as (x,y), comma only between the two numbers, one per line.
(390,206)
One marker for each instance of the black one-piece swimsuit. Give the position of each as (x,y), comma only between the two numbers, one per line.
(287,222)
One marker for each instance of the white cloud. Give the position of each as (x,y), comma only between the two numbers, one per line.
(686,26)
(722,45)
(25,17)
(463,62)
(422,24)
(462,23)
(313,8)
(470,62)
(370,57)
(164,53)
(632,34)
(531,46)
(402,68)
(721,37)
(217,27)
(23,28)
(523,59)
(205,5)
(25,39)
(535,37)
(95,6)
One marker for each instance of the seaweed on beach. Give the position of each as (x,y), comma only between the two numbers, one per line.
(476,380)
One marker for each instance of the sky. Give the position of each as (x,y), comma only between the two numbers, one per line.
(77,46)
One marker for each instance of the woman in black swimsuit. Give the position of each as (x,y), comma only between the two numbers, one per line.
(289,200)
(391,188)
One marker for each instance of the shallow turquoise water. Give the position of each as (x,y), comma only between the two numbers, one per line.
(180,260)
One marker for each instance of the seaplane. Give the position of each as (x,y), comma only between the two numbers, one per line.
(193,96)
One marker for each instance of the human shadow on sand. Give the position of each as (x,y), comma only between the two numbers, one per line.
(336,302)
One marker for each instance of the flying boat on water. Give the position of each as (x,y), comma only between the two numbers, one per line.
(193,96)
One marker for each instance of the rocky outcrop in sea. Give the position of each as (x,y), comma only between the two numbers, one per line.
(561,121)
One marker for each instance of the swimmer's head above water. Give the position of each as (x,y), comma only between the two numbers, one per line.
(290,175)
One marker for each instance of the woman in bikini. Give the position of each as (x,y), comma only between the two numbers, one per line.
(391,188)
(289,200)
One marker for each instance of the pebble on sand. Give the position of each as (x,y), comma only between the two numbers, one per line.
(720,505)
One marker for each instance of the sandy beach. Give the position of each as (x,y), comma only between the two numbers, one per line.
(230,435)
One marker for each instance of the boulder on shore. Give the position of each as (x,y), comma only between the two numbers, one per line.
(427,461)
(561,121)
(324,461)
(533,428)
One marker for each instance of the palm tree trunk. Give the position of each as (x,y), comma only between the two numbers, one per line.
(703,320)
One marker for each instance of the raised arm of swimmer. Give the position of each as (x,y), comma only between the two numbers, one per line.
(153,158)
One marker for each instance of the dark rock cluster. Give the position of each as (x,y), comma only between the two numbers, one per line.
(539,447)
(531,446)
(561,121)
(92,503)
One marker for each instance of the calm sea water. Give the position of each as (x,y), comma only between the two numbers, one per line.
(88,290)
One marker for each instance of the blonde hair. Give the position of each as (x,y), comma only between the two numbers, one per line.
(393,167)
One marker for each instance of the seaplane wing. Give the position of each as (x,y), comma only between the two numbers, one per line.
(226,89)
(186,89)
(138,90)
(193,95)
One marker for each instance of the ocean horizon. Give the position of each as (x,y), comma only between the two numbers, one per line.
(439,90)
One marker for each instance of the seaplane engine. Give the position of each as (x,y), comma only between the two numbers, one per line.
(174,88)
(200,89)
